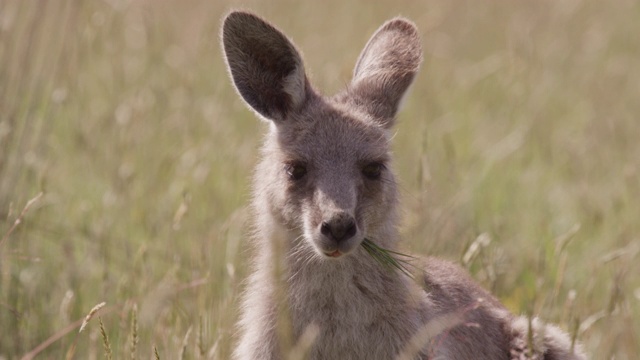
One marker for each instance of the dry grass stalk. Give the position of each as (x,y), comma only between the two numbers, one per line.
(53,338)
(200,340)
(481,242)
(185,342)
(71,352)
(134,331)
(428,332)
(20,217)
(90,315)
(308,338)
(574,333)
(105,340)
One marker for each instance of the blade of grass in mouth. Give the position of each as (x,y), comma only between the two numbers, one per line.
(388,258)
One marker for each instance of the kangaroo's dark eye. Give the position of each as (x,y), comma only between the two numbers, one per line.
(296,171)
(373,170)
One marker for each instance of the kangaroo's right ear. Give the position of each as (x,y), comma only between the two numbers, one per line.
(265,67)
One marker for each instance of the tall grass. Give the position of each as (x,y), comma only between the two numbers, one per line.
(518,152)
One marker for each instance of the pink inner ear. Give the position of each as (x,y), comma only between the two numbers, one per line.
(385,69)
(394,47)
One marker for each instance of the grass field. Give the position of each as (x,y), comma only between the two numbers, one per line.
(521,134)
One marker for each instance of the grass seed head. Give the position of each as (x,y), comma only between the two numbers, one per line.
(90,315)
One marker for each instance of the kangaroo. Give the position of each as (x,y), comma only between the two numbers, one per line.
(324,184)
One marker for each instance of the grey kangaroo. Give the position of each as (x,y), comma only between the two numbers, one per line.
(324,184)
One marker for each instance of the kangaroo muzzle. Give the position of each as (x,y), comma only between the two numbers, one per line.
(337,234)
(340,228)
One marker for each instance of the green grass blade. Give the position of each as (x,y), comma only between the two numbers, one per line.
(388,258)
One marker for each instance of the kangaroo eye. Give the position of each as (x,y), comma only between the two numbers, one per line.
(296,171)
(373,170)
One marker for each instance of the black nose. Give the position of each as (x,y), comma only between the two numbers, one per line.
(339,229)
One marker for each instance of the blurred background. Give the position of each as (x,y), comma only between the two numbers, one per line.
(518,153)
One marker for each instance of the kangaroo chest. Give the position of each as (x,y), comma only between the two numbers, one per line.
(352,317)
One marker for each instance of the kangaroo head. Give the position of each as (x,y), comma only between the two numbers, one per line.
(325,173)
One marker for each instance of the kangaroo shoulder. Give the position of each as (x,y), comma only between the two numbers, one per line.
(450,286)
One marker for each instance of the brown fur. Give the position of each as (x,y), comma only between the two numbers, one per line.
(323,185)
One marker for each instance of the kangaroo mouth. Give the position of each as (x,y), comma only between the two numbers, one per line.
(335,254)
(334,251)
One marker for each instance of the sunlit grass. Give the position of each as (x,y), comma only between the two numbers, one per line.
(517,150)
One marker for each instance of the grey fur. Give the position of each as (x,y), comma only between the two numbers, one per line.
(326,165)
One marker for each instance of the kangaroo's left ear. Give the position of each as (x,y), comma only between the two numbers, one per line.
(386,68)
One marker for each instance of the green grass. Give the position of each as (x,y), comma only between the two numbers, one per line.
(392,260)
(522,128)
